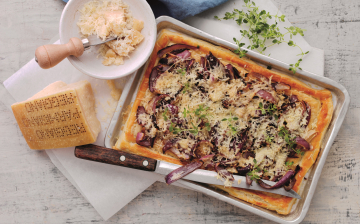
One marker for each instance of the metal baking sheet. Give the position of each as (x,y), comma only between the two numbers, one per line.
(341,101)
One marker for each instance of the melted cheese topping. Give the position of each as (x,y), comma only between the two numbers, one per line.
(229,114)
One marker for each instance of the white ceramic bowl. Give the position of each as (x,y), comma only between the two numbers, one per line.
(89,63)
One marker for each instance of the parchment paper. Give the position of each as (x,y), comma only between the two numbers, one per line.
(109,188)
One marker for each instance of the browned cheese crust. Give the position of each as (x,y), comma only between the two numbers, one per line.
(320,102)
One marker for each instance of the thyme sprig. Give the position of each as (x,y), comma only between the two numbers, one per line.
(260,32)
(271,109)
(289,140)
(233,129)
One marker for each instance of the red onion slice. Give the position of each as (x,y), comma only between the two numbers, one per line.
(170,144)
(172,108)
(156,100)
(229,69)
(184,55)
(280,86)
(204,63)
(223,172)
(258,76)
(174,47)
(246,155)
(167,60)
(293,98)
(284,180)
(290,185)
(189,64)
(244,170)
(308,109)
(143,140)
(213,61)
(248,180)
(152,79)
(182,171)
(207,157)
(140,110)
(303,143)
(266,96)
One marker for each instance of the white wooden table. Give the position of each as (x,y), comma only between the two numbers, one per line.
(32,189)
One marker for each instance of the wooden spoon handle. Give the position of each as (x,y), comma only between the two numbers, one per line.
(48,56)
(114,157)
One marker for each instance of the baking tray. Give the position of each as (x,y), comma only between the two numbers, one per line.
(341,101)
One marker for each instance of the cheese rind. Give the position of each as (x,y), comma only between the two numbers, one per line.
(59,116)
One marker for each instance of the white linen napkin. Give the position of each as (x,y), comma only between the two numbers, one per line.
(109,188)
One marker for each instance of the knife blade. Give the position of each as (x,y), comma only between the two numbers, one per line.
(120,158)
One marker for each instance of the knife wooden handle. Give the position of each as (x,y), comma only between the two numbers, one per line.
(48,56)
(114,157)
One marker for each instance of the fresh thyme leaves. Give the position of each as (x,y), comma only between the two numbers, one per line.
(271,109)
(187,86)
(252,174)
(164,114)
(288,163)
(260,32)
(181,71)
(233,129)
(269,138)
(175,130)
(207,126)
(185,112)
(200,113)
(289,140)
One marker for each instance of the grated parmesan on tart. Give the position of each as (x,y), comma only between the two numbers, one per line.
(203,107)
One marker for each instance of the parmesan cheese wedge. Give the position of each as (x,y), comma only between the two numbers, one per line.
(61,115)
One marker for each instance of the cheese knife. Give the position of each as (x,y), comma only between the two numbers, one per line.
(47,56)
(120,158)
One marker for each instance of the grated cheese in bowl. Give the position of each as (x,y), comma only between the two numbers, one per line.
(112,18)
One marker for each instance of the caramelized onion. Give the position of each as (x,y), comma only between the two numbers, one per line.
(155,74)
(248,180)
(172,48)
(156,101)
(189,64)
(291,184)
(185,54)
(258,76)
(284,180)
(302,142)
(143,140)
(229,70)
(293,98)
(280,86)
(266,96)
(140,110)
(213,61)
(152,79)
(223,172)
(244,170)
(170,144)
(172,108)
(246,155)
(308,109)
(207,157)
(182,171)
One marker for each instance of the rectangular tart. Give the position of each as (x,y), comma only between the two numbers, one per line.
(200,102)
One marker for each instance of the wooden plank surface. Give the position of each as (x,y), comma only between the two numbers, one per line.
(33,190)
